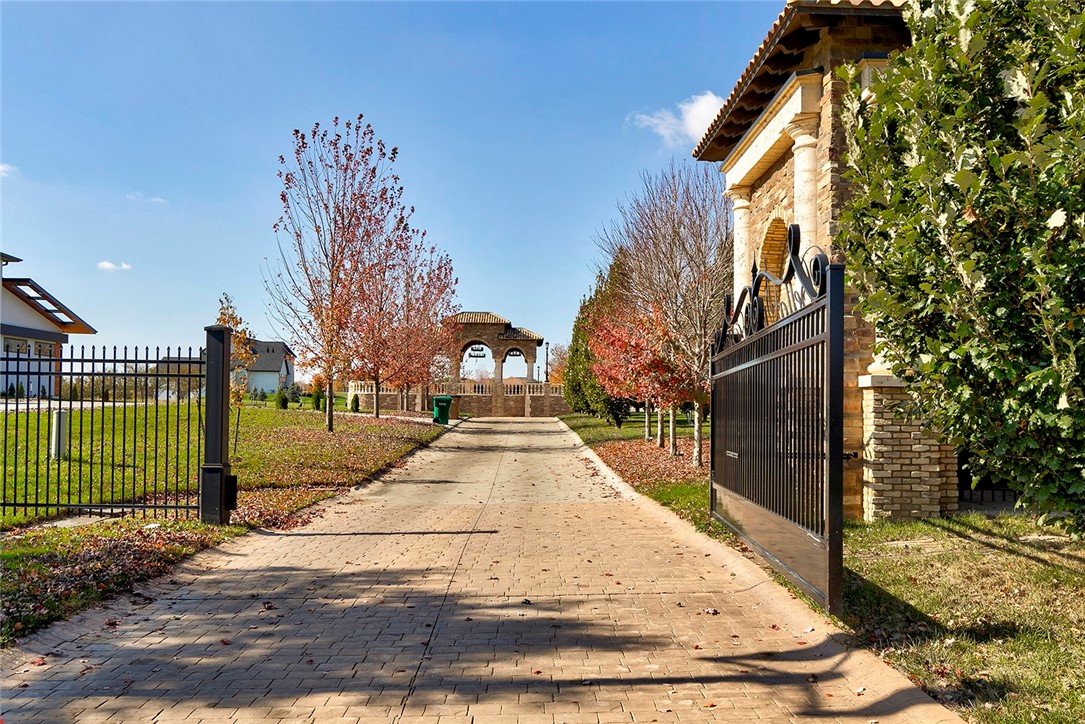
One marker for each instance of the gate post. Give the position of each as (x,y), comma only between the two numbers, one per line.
(834,438)
(216,483)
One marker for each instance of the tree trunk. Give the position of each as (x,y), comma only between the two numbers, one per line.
(697,415)
(377,396)
(647,421)
(237,425)
(659,427)
(329,404)
(671,430)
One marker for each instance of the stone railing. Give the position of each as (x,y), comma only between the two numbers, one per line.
(534,389)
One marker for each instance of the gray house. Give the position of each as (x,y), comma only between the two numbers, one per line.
(273,367)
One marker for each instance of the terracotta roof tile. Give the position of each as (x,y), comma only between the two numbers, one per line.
(479,318)
(777,31)
(520,333)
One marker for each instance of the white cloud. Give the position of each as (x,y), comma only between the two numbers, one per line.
(137,196)
(6,169)
(688,125)
(111,267)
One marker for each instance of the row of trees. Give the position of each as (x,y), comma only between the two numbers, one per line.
(644,333)
(362,291)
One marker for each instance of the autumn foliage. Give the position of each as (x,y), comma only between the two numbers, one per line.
(359,288)
(645,332)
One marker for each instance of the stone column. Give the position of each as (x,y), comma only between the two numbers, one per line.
(802,130)
(907,472)
(455,376)
(743,245)
(499,374)
(529,358)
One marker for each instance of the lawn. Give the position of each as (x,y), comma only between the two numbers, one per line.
(986,614)
(114,453)
(593,430)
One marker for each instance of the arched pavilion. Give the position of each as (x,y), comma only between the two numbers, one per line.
(503,340)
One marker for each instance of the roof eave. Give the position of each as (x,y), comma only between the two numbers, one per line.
(704,150)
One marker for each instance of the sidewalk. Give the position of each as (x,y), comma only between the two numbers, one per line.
(501,576)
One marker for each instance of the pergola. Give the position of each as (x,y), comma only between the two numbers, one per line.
(497,333)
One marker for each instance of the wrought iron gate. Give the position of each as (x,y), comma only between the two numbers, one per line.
(777,422)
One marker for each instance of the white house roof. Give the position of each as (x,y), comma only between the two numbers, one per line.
(33,295)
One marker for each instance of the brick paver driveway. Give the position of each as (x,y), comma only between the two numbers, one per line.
(499,577)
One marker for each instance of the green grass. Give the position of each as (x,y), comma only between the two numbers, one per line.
(113,454)
(985,614)
(594,430)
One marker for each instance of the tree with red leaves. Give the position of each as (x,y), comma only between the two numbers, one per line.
(399,325)
(357,286)
(339,195)
(674,248)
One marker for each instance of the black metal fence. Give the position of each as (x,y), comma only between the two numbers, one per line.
(777,422)
(113,431)
(983,490)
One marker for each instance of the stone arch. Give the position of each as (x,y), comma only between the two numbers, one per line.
(468,357)
(500,336)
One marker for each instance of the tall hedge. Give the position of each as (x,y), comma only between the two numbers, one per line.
(965,233)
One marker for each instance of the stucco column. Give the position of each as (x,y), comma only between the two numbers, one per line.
(802,131)
(499,374)
(529,358)
(456,363)
(740,235)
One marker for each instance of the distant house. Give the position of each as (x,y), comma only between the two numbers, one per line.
(273,367)
(33,326)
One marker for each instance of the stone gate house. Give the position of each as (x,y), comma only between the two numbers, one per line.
(779,140)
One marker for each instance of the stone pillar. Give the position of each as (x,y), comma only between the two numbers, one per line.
(529,358)
(743,244)
(499,374)
(802,130)
(907,472)
(456,363)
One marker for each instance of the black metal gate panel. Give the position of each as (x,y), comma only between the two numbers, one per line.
(777,423)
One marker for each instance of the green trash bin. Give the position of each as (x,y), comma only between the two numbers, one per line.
(441,406)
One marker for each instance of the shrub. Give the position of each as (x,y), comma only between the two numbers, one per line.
(294,393)
(280,400)
(965,235)
(354,403)
(317,399)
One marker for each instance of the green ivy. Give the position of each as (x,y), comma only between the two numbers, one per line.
(965,233)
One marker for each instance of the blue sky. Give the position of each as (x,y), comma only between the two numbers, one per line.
(146,135)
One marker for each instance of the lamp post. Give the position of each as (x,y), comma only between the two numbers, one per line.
(547,362)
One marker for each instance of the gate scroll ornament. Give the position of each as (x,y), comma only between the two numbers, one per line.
(777,421)
(749,310)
